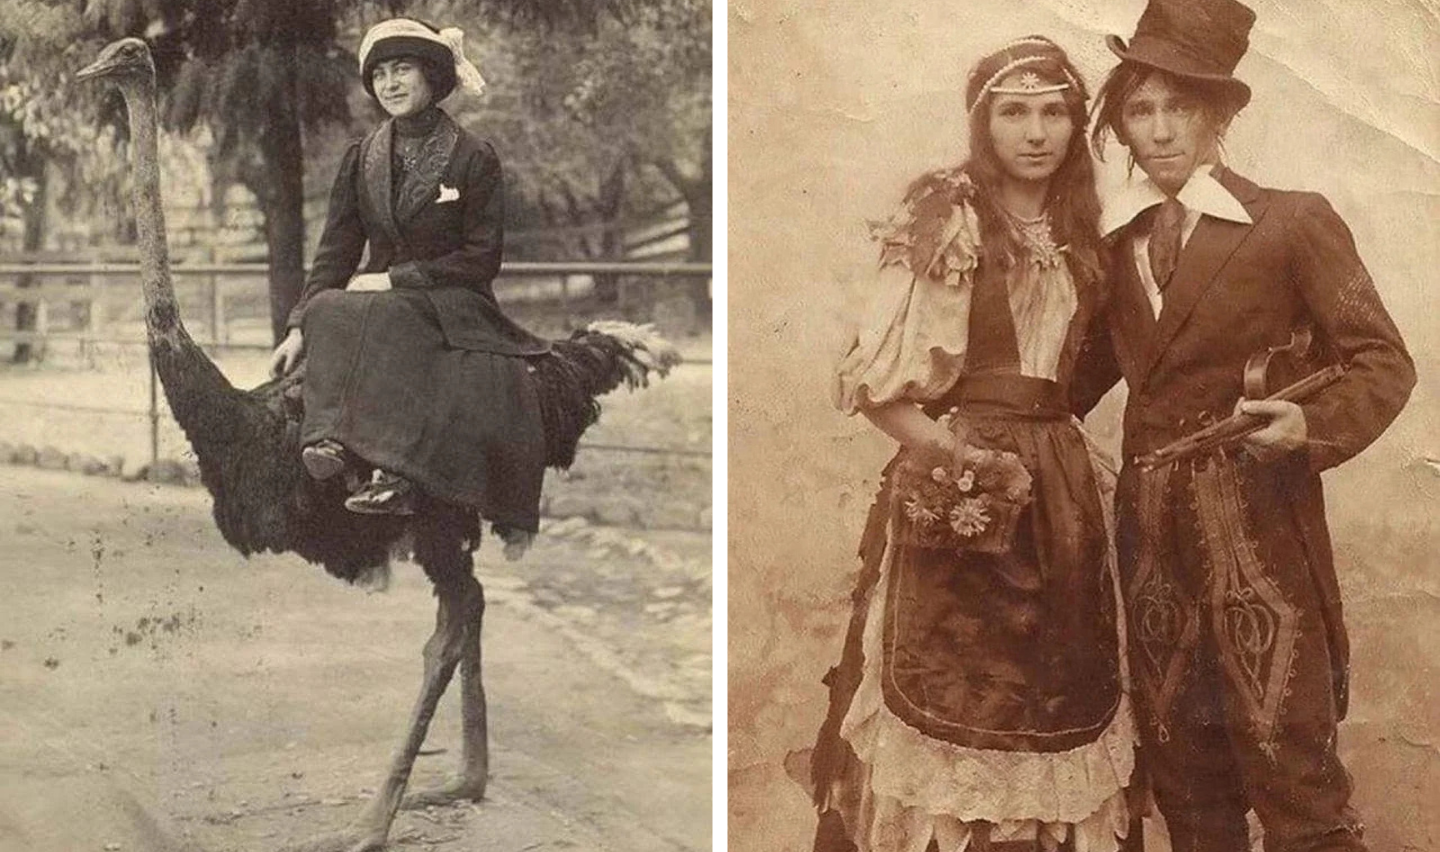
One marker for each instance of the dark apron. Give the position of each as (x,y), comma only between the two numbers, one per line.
(1015,651)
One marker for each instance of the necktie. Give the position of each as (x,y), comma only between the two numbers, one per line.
(1164,249)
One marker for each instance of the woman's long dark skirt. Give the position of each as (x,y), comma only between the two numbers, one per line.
(462,425)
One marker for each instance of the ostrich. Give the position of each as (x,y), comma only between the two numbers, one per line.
(248,450)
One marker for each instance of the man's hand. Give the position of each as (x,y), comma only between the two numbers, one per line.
(369,282)
(287,354)
(1285,433)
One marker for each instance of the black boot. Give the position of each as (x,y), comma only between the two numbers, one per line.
(323,459)
(384,494)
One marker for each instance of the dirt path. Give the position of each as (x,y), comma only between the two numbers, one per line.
(157,691)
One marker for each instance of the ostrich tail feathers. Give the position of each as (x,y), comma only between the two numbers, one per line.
(644,350)
(593,362)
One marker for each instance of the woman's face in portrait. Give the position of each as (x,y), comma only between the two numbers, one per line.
(1031,133)
(401,86)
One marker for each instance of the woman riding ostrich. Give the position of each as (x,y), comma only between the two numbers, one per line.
(411,376)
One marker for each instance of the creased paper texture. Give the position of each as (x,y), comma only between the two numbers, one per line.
(834,107)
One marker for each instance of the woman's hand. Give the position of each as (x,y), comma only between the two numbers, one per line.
(369,282)
(287,354)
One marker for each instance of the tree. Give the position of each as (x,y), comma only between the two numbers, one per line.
(597,123)
(649,84)
(253,71)
(260,74)
(49,151)
(257,73)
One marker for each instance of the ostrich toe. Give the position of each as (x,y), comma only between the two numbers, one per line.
(457,790)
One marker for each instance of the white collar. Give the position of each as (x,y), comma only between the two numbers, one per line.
(1201,193)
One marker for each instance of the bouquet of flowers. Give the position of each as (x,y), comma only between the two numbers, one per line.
(971,500)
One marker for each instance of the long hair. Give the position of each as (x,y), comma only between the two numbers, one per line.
(1072,200)
(1219,101)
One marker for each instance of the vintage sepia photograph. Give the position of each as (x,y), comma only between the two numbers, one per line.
(345,345)
(1083,479)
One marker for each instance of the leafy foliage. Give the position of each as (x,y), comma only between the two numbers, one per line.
(600,122)
(600,108)
(43,117)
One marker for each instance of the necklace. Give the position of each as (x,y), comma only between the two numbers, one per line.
(408,152)
(1038,240)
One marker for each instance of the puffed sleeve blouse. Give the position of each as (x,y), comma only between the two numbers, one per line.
(912,336)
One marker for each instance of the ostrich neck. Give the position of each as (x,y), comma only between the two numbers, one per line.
(162,312)
(198,393)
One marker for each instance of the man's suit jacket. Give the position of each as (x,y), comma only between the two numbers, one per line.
(1239,289)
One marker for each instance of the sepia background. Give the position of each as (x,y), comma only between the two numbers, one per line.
(834,107)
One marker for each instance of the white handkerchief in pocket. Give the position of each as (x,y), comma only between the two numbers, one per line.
(447,193)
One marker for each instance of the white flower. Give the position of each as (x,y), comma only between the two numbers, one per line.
(966,481)
(940,475)
(917,513)
(969,518)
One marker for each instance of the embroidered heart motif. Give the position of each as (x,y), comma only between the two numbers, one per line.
(447,193)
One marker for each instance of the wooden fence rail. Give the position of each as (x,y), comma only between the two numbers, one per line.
(82,286)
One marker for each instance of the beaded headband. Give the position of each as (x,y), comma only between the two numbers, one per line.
(1029,83)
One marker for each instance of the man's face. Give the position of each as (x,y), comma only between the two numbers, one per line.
(1169,133)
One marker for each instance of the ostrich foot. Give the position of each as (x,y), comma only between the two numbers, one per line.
(457,790)
(354,839)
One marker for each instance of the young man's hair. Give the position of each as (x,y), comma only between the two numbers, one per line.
(1219,100)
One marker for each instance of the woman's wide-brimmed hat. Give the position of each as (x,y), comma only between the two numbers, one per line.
(1199,39)
(442,49)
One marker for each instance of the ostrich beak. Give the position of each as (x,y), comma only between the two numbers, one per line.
(98,68)
(113,57)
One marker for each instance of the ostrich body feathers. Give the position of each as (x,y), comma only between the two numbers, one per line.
(248,448)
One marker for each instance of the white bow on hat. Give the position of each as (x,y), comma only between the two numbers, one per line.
(453,38)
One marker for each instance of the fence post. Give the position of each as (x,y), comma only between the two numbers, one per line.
(94,318)
(97,299)
(219,333)
(42,325)
(565,302)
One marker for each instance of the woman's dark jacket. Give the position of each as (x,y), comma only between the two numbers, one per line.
(444,237)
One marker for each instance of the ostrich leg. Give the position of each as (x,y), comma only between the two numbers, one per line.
(475,748)
(457,625)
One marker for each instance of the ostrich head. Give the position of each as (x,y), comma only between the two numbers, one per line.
(126,60)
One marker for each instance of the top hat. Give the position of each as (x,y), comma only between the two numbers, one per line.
(1198,39)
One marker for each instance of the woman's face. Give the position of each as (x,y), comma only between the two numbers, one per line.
(401,86)
(1030,133)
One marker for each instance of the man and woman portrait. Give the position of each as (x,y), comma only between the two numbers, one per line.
(1053,640)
